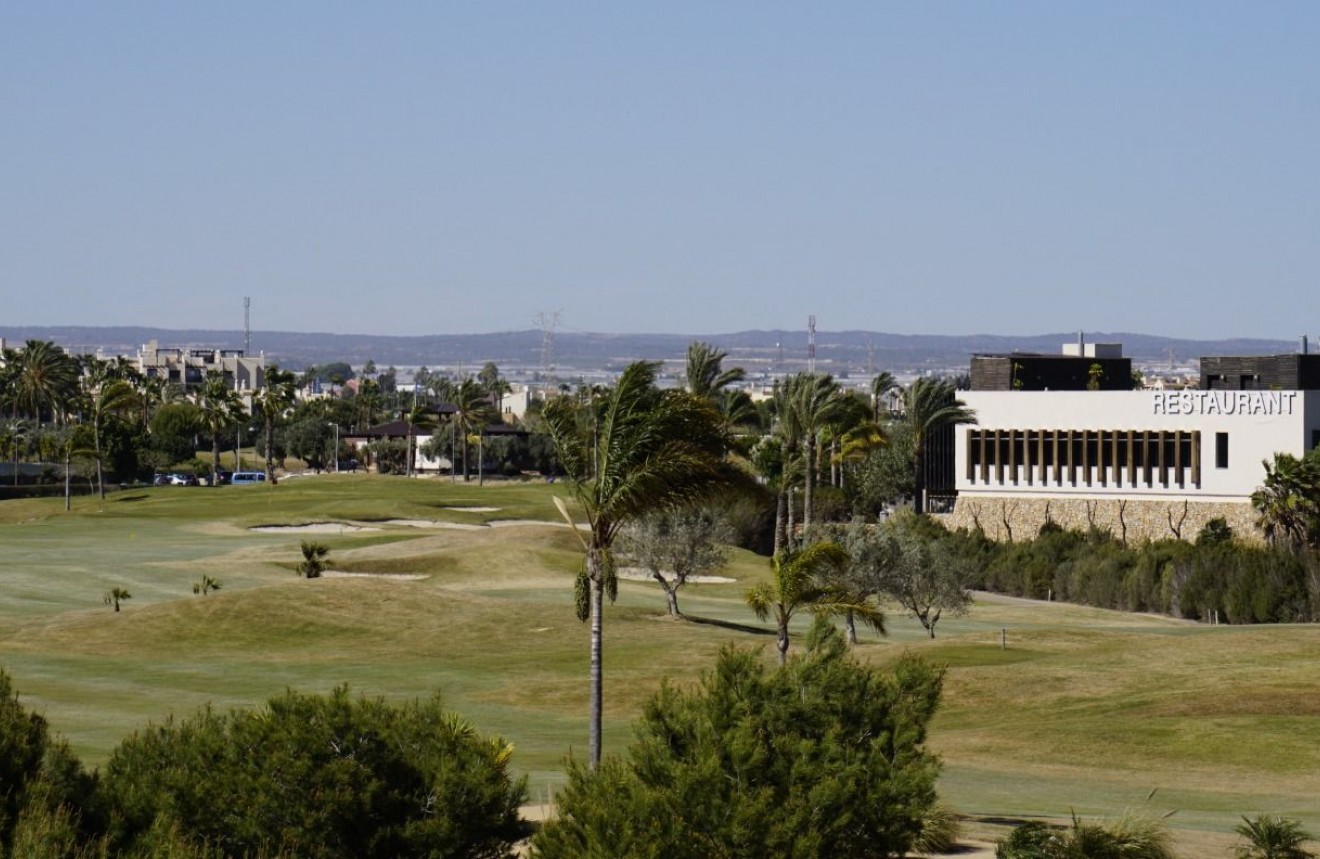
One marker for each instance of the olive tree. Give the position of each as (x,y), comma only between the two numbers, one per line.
(677,546)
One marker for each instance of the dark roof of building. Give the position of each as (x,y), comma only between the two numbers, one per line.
(401,429)
(392,429)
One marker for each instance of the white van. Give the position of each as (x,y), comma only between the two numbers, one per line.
(241,478)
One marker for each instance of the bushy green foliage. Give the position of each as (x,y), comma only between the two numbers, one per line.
(42,785)
(1267,836)
(884,476)
(174,430)
(1216,530)
(939,831)
(820,758)
(1128,837)
(307,776)
(1288,502)
(316,776)
(315,560)
(1215,578)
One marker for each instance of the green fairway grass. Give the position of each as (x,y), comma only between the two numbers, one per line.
(1083,710)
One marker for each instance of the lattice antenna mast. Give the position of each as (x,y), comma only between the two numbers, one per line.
(548,322)
(811,343)
(247,325)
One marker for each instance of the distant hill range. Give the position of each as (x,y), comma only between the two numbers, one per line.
(838,352)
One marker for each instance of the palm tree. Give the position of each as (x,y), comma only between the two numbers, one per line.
(206,584)
(804,579)
(154,392)
(18,435)
(109,396)
(45,381)
(818,401)
(220,407)
(115,596)
(314,560)
(706,376)
(368,401)
(493,384)
(857,443)
(8,379)
(787,428)
(1288,503)
(881,385)
(930,405)
(472,413)
(1271,837)
(274,399)
(419,415)
(852,414)
(641,450)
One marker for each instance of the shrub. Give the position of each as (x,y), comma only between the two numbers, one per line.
(323,776)
(42,785)
(1269,837)
(315,560)
(1129,837)
(820,758)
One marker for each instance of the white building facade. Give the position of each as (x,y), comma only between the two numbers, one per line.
(1143,464)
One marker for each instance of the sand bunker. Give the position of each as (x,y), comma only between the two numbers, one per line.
(314,528)
(397,577)
(473,509)
(467,526)
(637,574)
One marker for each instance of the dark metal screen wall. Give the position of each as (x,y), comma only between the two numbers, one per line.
(1136,458)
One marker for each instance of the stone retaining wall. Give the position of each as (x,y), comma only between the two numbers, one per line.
(1021,518)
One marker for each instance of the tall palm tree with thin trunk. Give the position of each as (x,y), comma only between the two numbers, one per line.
(636,450)
(368,401)
(930,405)
(787,428)
(807,579)
(274,399)
(220,408)
(110,396)
(472,413)
(818,401)
(418,416)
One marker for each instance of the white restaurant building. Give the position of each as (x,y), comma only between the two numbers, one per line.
(1139,463)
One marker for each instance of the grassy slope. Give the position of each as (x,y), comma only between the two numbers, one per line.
(1085,709)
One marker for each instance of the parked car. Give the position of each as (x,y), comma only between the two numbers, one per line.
(247,478)
(180,479)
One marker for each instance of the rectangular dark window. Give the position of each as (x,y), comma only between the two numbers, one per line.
(1221,450)
(1315,438)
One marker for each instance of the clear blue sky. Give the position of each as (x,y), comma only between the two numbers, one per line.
(685,167)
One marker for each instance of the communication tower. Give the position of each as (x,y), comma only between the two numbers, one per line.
(811,343)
